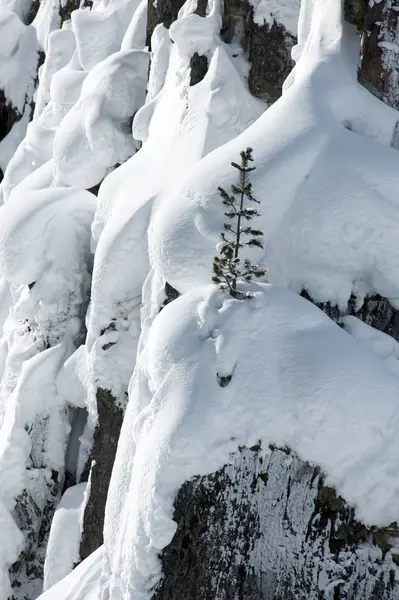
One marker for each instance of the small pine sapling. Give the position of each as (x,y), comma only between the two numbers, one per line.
(227,267)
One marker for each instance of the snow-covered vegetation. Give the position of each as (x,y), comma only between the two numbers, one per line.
(111,195)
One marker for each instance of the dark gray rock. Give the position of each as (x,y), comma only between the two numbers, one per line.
(268,48)
(376,311)
(378,65)
(106,436)
(265,527)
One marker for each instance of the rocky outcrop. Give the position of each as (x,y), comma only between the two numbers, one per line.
(380,36)
(265,527)
(375,311)
(268,47)
(106,436)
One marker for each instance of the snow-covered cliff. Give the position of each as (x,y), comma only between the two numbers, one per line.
(110,221)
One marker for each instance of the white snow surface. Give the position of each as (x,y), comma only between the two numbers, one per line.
(82,583)
(330,211)
(18,58)
(63,544)
(382,345)
(95,134)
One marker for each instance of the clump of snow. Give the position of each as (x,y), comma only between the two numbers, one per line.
(136,33)
(381,344)
(56,95)
(49,291)
(63,545)
(96,133)
(49,309)
(36,408)
(60,48)
(99,32)
(18,58)
(284,12)
(82,583)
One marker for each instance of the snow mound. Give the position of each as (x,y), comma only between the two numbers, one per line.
(285,12)
(99,32)
(82,583)
(49,286)
(63,545)
(33,228)
(381,344)
(297,379)
(329,204)
(61,89)
(60,48)
(96,133)
(18,58)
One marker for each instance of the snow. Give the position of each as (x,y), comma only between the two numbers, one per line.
(381,344)
(18,58)
(81,584)
(60,48)
(95,134)
(332,235)
(285,12)
(297,380)
(34,398)
(63,544)
(40,332)
(54,99)
(99,32)
(33,226)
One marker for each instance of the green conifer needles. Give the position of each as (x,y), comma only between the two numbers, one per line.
(227,267)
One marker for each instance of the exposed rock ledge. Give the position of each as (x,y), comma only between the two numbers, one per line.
(266,527)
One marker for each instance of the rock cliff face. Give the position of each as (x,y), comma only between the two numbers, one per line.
(379,23)
(268,47)
(266,527)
